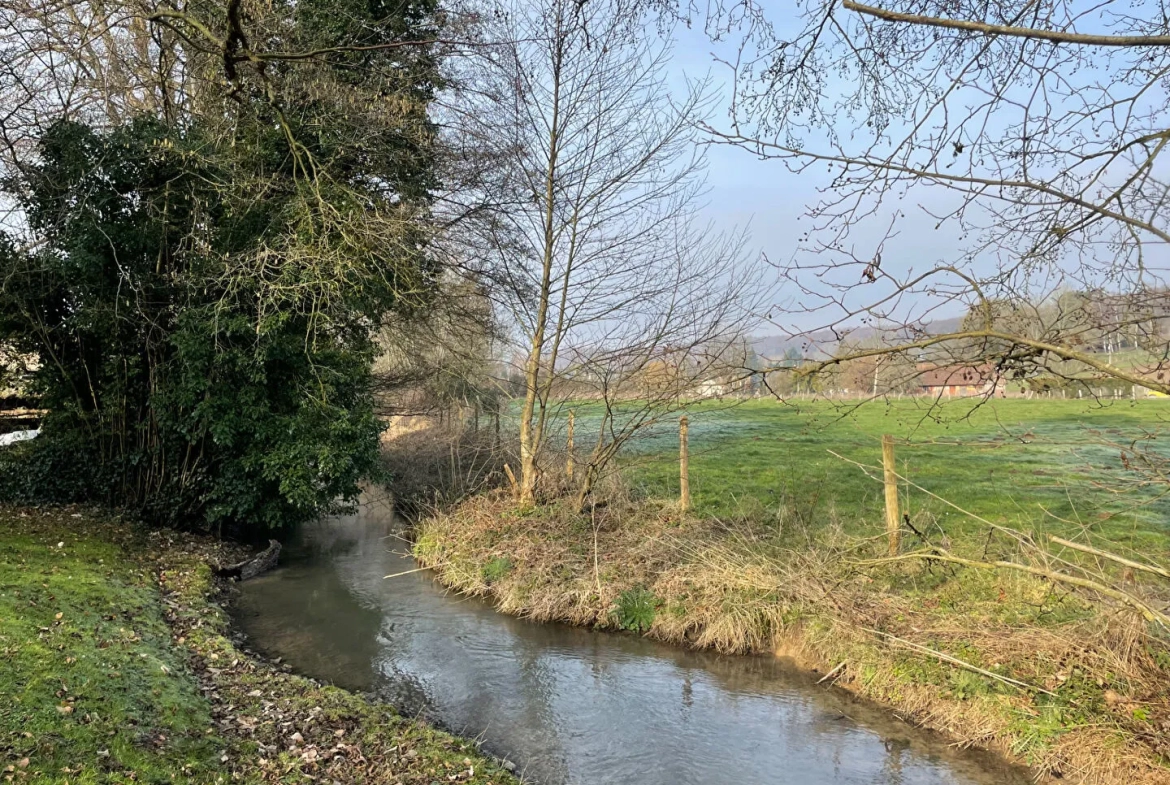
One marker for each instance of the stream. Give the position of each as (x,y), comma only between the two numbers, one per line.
(571,706)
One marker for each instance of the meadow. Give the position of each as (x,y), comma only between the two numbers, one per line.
(1040,465)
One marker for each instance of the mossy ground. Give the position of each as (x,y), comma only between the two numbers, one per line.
(117,667)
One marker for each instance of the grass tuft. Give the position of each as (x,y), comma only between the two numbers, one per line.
(635,609)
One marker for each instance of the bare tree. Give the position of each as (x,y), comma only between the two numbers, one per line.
(106,62)
(684,341)
(1032,132)
(591,230)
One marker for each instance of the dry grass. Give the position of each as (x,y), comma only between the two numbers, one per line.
(1095,705)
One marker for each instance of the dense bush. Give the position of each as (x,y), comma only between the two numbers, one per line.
(168,389)
(199,295)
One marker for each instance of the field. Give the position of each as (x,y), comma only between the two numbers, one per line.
(1035,465)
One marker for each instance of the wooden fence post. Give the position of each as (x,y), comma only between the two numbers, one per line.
(893,522)
(569,445)
(684,482)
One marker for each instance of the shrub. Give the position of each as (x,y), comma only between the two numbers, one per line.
(635,609)
(180,384)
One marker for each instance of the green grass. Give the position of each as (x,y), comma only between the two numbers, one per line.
(497,568)
(1035,464)
(92,688)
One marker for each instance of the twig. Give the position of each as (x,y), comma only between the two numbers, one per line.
(1150,613)
(512,481)
(913,528)
(596,562)
(408,572)
(1022,685)
(831,673)
(1111,556)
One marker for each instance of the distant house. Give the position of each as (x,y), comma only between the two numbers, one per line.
(712,388)
(951,380)
(1158,373)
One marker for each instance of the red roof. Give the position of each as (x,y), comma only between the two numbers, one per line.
(956,375)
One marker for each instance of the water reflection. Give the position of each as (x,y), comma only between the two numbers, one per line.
(571,705)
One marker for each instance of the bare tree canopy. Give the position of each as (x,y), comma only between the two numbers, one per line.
(588,219)
(1031,134)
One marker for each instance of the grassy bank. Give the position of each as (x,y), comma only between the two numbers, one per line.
(118,668)
(1071,684)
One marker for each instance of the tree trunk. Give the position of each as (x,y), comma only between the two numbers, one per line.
(527,493)
(250,568)
(586,486)
(530,436)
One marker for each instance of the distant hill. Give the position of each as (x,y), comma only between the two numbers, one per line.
(823,343)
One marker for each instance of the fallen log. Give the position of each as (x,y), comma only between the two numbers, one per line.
(250,568)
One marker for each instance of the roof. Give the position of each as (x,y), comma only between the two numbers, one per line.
(958,375)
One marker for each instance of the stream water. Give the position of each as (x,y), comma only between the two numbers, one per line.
(571,706)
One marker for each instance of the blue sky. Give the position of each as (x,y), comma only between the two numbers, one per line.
(767,197)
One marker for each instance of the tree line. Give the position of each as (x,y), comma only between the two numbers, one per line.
(231,229)
(201,236)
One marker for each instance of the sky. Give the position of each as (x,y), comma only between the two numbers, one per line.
(773,201)
(769,199)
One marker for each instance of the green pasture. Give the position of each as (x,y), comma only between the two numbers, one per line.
(1045,465)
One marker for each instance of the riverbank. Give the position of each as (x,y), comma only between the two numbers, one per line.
(1002,659)
(119,667)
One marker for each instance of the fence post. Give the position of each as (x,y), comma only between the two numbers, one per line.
(684,482)
(893,522)
(569,445)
